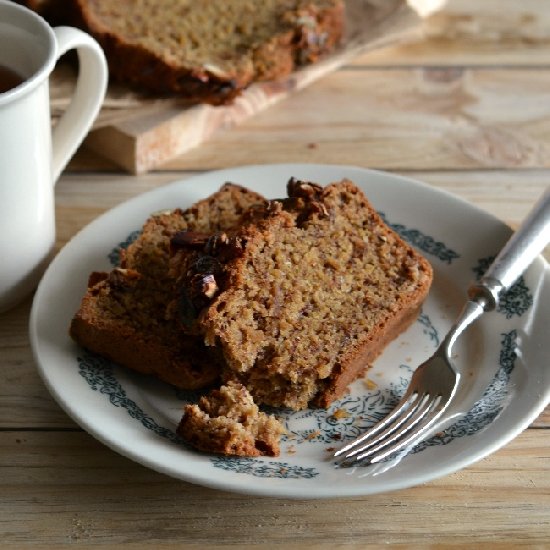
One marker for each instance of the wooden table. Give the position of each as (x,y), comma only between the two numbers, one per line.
(468,116)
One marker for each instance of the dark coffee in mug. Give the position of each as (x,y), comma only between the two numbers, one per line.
(9,79)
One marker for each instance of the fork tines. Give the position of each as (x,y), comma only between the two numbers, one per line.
(416,412)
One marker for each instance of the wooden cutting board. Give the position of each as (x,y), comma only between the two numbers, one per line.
(139,133)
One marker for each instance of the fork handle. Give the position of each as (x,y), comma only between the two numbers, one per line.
(516,256)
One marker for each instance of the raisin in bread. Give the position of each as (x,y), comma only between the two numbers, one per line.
(208,51)
(307,293)
(123,315)
(227,421)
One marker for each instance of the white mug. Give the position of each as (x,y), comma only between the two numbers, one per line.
(32,156)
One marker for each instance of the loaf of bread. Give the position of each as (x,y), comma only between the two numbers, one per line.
(305,294)
(207,50)
(123,315)
(228,422)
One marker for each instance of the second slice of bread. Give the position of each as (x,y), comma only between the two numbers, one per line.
(123,315)
(308,293)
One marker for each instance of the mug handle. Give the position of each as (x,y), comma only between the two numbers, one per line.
(88,96)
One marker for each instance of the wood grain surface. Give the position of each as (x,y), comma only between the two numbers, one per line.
(467,113)
(140,133)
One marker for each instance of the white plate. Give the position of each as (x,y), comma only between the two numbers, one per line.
(506,350)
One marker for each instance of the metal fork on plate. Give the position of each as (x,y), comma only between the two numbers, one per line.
(435,382)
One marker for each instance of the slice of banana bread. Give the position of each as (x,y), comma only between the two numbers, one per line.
(123,315)
(227,421)
(307,293)
(207,50)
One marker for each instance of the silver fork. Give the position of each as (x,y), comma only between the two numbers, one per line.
(435,382)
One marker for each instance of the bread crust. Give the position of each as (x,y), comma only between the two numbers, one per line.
(182,362)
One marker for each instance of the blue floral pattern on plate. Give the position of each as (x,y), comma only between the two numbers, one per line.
(425,243)
(515,301)
(115,255)
(344,420)
(99,374)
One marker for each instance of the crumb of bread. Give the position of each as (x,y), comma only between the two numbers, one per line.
(228,422)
